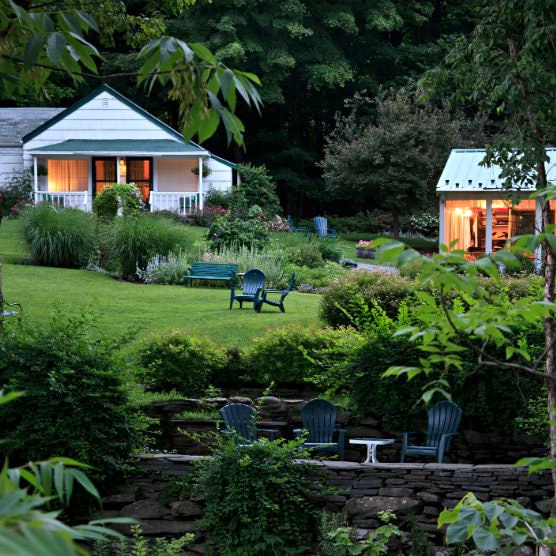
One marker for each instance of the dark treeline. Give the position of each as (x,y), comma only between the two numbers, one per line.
(311,56)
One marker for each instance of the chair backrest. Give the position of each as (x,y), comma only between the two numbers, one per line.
(253,280)
(319,418)
(444,418)
(240,418)
(291,283)
(321,226)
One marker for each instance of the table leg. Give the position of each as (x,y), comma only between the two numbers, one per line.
(368,458)
(373,454)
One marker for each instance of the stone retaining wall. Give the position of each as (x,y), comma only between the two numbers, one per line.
(417,490)
(283,414)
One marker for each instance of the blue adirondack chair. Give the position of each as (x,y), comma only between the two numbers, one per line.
(273,302)
(322,229)
(240,419)
(253,284)
(301,229)
(444,419)
(319,420)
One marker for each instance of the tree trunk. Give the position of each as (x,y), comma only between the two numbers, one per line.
(395,224)
(549,333)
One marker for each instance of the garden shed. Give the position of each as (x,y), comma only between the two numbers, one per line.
(476,213)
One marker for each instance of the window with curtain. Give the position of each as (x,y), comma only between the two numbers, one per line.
(68,175)
(139,172)
(105,173)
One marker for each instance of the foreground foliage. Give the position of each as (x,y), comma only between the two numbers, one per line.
(257,498)
(75,402)
(31,500)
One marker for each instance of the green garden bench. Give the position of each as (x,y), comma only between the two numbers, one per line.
(212,271)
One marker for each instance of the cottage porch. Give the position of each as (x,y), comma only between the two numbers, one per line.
(168,173)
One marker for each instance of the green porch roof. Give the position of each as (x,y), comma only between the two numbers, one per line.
(121,146)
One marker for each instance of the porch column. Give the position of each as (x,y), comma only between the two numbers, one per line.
(538,228)
(201,200)
(36,176)
(488,232)
(441,220)
(118,177)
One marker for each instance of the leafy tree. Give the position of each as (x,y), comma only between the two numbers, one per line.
(310,55)
(40,41)
(394,162)
(256,187)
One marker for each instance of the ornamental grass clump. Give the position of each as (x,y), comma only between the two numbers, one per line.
(61,237)
(135,241)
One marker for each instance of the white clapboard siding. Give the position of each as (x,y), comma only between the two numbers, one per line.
(220,177)
(103,117)
(11,158)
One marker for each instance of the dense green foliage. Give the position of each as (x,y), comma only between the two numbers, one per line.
(229,231)
(482,392)
(256,187)
(257,499)
(291,354)
(75,403)
(59,236)
(347,299)
(16,192)
(124,196)
(394,162)
(310,56)
(29,493)
(135,240)
(181,361)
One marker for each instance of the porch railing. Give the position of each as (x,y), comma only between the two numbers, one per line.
(182,203)
(66,199)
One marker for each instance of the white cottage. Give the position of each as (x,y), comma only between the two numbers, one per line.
(105,138)
(475,212)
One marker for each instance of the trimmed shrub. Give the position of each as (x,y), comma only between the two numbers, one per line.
(388,290)
(60,237)
(180,361)
(217,198)
(227,231)
(75,403)
(307,254)
(310,278)
(118,195)
(135,241)
(329,250)
(281,354)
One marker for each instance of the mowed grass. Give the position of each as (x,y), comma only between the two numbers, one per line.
(48,292)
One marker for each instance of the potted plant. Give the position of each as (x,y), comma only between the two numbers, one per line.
(364,249)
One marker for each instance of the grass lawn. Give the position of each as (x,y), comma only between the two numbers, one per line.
(45,292)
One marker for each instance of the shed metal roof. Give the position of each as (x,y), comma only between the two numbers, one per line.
(17,122)
(121,146)
(463,172)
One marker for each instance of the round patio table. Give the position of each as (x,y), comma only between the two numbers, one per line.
(371,444)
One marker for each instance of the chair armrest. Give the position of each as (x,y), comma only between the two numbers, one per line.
(227,431)
(298,432)
(272,433)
